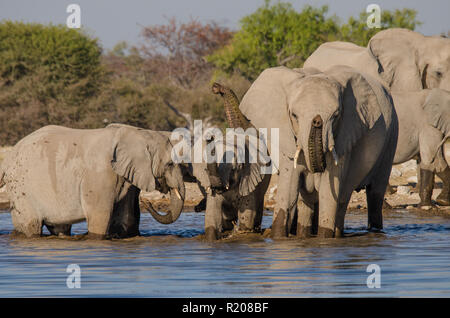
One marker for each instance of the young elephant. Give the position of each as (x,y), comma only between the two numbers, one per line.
(338,132)
(424,129)
(236,195)
(58,176)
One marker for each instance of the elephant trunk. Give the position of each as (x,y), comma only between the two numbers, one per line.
(214,177)
(235,118)
(315,146)
(176,206)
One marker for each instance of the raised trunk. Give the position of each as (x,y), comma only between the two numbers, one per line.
(315,146)
(176,206)
(235,118)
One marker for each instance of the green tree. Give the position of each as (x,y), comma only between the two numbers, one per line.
(279,35)
(357,31)
(275,35)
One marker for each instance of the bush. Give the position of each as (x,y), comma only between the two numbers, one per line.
(47,75)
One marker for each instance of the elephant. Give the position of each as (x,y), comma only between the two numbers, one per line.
(402,60)
(58,176)
(424,129)
(338,132)
(234,191)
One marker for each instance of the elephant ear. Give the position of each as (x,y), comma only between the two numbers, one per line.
(360,106)
(252,174)
(269,95)
(437,110)
(132,159)
(397,58)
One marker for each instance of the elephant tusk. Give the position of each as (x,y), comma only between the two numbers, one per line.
(177,193)
(227,187)
(208,190)
(297,153)
(335,157)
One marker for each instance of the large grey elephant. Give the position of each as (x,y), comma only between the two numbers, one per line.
(424,129)
(58,176)
(338,132)
(402,60)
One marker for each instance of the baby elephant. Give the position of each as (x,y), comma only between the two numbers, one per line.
(59,176)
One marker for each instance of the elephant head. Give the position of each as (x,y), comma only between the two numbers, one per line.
(143,158)
(228,171)
(329,112)
(411,61)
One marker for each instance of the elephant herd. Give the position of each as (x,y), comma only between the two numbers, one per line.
(343,120)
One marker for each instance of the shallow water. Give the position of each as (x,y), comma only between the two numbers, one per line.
(413,255)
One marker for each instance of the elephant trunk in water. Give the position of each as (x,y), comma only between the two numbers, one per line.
(176,206)
(315,146)
(235,118)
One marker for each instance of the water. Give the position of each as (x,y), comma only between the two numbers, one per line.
(169,261)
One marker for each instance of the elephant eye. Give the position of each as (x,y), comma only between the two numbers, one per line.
(438,73)
(294,115)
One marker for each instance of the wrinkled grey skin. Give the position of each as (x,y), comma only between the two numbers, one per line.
(424,128)
(59,176)
(354,115)
(234,192)
(236,197)
(401,59)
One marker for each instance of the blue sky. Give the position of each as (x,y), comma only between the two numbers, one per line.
(113,20)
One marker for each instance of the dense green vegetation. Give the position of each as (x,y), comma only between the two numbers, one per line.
(55,75)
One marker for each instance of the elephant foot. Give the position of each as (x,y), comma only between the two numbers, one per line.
(201,206)
(427,205)
(211,234)
(279,226)
(304,231)
(94,236)
(375,229)
(324,232)
(443,199)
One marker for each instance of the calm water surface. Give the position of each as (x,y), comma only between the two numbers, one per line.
(413,254)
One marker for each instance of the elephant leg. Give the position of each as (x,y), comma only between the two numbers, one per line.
(444,197)
(213,217)
(30,226)
(249,217)
(126,216)
(286,199)
(229,214)
(426,187)
(251,208)
(60,229)
(375,199)
(306,216)
(328,208)
(416,188)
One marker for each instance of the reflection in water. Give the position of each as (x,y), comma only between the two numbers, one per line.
(170,261)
